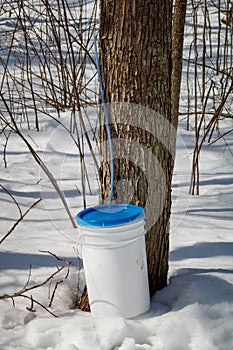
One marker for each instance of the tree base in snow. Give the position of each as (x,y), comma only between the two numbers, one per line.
(83,302)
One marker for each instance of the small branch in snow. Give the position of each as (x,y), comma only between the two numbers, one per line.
(26,289)
(22,216)
(13,198)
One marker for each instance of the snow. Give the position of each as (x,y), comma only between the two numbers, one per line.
(195,310)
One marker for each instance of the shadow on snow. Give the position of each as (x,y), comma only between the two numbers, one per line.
(202,250)
(21,261)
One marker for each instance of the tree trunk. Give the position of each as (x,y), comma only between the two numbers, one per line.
(135,59)
(177,55)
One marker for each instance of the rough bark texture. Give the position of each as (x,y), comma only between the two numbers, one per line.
(135,48)
(177,54)
(135,52)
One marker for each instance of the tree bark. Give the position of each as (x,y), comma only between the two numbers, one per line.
(136,67)
(135,59)
(83,302)
(177,55)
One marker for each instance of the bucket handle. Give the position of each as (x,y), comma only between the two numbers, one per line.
(106,245)
(80,243)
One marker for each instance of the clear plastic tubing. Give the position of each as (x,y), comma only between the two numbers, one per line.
(107,120)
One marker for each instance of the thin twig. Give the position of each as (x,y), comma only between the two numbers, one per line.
(20,219)
(14,200)
(26,289)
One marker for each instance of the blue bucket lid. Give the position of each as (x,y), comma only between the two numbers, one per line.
(110,215)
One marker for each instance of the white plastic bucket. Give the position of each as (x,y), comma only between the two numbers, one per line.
(114,259)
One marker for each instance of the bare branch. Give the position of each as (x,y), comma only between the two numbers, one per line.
(14,200)
(20,219)
(26,289)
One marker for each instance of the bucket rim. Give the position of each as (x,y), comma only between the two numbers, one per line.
(110,215)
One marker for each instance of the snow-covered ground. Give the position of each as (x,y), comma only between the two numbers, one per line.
(195,310)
